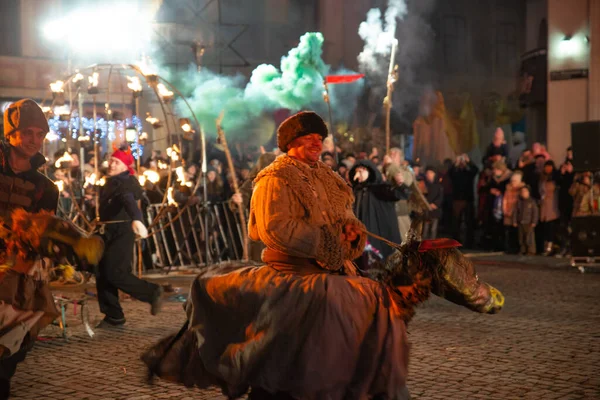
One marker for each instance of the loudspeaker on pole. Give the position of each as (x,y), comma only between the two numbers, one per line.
(585,142)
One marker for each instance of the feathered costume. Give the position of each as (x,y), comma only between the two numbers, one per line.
(33,241)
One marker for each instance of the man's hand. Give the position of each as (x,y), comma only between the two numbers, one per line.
(139,229)
(433,206)
(350,233)
(533,225)
(237,198)
(387,159)
(495,192)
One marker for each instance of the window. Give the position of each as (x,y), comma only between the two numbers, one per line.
(10,28)
(506,48)
(455,43)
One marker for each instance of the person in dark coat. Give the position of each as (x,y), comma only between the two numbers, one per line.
(23,186)
(374,204)
(565,202)
(497,150)
(462,174)
(435,198)
(494,229)
(122,220)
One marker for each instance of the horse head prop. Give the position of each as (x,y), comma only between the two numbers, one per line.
(421,267)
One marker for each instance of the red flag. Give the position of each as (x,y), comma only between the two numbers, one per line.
(432,244)
(343,78)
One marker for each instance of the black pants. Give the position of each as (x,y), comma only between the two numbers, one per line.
(114,272)
(527,239)
(548,229)
(466,209)
(495,235)
(512,239)
(8,367)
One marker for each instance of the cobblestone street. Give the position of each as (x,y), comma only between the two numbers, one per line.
(545,344)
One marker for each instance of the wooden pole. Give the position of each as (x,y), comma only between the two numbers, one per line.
(236,187)
(331,128)
(387,102)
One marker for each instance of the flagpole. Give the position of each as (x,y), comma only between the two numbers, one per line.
(331,133)
(387,101)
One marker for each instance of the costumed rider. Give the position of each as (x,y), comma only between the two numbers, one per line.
(121,220)
(24,294)
(305,325)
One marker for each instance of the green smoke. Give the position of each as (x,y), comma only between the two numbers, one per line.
(297,85)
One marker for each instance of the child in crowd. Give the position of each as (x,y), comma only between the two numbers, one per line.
(525,218)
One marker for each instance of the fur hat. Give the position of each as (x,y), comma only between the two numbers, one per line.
(24,114)
(301,124)
(126,158)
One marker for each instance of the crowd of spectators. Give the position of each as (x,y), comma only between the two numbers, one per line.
(515,201)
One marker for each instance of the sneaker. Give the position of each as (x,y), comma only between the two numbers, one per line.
(157,303)
(109,322)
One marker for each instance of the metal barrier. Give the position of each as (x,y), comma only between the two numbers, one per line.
(181,242)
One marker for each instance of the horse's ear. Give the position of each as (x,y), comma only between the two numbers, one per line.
(416,228)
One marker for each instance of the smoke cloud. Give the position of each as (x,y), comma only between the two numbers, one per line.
(406,21)
(379,35)
(296,85)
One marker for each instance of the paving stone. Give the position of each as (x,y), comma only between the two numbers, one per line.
(543,345)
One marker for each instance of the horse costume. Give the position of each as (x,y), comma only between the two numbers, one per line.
(298,327)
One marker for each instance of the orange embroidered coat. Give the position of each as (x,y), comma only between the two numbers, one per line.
(301,210)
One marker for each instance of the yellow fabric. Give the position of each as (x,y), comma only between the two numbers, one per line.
(461,131)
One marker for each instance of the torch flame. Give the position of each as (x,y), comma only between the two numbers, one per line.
(152,176)
(60,185)
(165,93)
(78,77)
(93,181)
(181,177)
(65,158)
(162,165)
(134,83)
(57,87)
(93,80)
(145,67)
(142,179)
(172,152)
(170,199)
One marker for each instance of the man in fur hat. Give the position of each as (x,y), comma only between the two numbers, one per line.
(301,209)
(22,186)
